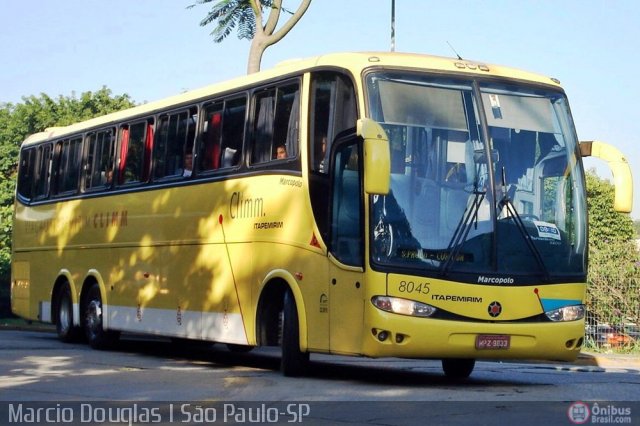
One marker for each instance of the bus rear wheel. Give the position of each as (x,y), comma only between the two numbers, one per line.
(65,329)
(294,361)
(97,337)
(458,368)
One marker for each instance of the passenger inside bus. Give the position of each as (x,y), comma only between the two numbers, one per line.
(107,176)
(281,152)
(187,169)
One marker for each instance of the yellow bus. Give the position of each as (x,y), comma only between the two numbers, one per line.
(372,204)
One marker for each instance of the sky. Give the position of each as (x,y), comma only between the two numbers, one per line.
(151,49)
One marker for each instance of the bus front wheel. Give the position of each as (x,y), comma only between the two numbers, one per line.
(97,337)
(458,368)
(294,361)
(65,329)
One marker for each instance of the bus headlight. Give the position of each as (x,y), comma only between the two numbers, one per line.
(568,313)
(403,306)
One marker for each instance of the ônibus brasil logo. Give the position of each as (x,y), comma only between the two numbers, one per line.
(578,413)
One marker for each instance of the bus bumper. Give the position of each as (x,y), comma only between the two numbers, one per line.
(392,335)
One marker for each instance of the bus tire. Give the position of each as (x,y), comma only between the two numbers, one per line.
(65,329)
(458,368)
(294,362)
(97,337)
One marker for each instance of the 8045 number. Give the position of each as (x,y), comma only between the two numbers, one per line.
(411,287)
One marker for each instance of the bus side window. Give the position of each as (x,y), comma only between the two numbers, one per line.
(222,134)
(263,127)
(71,179)
(99,160)
(26,173)
(68,154)
(333,110)
(209,150)
(135,152)
(276,122)
(90,159)
(287,122)
(42,172)
(233,127)
(173,148)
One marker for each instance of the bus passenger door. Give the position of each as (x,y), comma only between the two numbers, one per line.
(346,289)
(346,308)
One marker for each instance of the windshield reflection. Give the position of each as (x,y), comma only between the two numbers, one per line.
(514,205)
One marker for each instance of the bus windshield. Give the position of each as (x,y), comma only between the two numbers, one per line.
(485,180)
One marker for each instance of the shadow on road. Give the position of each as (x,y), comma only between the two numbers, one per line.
(326,367)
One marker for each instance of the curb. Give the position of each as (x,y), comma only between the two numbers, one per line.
(608,360)
(26,326)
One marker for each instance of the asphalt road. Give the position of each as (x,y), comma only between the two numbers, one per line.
(37,369)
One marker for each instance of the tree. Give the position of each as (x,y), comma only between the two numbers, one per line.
(613,291)
(606,225)
(35,114)
(248,16)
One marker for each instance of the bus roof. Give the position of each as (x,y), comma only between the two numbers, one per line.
(352,61)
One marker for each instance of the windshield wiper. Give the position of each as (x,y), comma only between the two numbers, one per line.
(467,220)
(506,202)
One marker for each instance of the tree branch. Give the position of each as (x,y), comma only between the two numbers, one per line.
(274,17)
(263,39)
(277,36)
(257,11)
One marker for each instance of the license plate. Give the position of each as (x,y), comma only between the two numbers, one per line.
(493,341)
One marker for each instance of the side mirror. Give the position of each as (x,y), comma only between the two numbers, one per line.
(377,157)
(622,180)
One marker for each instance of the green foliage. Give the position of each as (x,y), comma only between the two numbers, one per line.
(231,13)
(35,114)
(606,225)
(614,282)
(248,18)
(613,293)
